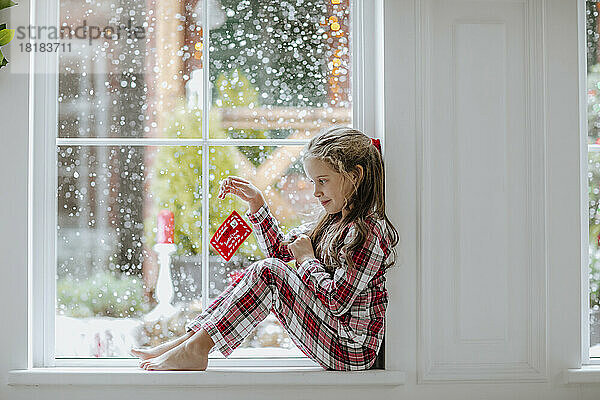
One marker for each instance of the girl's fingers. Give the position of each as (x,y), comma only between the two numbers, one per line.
(239,191)
(237,185)
(238,179)
(222,191)
(230,181)
(241,185)
(233,190)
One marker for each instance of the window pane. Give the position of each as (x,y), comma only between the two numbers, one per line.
(278,173)
(130,71)
(593,117)
(279,71)
(594,251)
(109,199)
(276,71)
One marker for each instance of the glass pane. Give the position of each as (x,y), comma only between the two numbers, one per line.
(114,231)
(279,70)
(594,251)
(593,91)
(125,71)
(278,173)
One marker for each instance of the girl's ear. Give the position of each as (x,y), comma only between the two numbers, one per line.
(358,173)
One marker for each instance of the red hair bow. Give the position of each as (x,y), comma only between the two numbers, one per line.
(376,143)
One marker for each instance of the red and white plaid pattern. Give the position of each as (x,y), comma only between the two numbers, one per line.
(338,321)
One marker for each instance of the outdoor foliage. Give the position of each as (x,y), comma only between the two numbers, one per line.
(594,227)
(103,294)
(280,47)
(593,117)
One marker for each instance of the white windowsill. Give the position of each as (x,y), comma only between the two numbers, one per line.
(585,374)
(230,376)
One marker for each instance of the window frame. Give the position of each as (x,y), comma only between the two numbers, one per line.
(368,115)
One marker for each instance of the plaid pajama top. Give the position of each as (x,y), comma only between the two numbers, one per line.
(356,296)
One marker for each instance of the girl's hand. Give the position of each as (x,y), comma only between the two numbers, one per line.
(244,189)
(302,249)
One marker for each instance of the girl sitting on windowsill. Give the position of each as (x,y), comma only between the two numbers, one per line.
(333,304)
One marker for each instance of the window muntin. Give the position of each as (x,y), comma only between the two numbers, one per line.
(115,94)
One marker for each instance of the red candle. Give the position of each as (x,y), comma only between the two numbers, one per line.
(165,227)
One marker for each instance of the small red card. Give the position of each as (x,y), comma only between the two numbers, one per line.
(230,235)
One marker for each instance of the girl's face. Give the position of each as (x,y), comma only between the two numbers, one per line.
(330,187)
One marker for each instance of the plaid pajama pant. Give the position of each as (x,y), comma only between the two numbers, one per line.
(272,285)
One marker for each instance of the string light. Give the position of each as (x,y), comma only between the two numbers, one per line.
(336,62)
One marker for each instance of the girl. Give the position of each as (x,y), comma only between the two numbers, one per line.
(333,303)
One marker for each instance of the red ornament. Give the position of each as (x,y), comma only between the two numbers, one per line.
(230,235)
(376,143)
(165,227)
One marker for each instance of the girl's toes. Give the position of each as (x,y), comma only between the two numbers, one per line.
(148,363)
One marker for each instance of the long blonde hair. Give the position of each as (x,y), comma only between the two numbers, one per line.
(343,149)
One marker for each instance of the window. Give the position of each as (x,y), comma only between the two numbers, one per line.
(147,111)
(593,123)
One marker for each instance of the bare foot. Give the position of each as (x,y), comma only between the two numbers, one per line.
(185,356)
(156,351)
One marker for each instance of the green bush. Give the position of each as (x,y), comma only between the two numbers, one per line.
(109,294)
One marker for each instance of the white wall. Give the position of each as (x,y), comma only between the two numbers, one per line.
(558,277)
(14,100)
